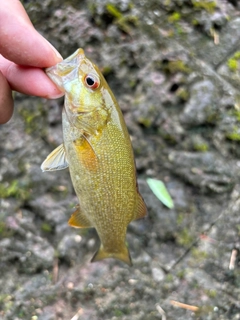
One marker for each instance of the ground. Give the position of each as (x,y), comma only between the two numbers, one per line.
(174,67)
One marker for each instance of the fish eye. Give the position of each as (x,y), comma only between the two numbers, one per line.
(92,81)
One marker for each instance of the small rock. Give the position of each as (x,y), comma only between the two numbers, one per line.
(158,274)
(202,106)
(69,247)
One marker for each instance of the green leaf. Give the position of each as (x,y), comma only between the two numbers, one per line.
(160,191)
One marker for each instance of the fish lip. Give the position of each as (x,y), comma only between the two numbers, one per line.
(75,57)
(52,73)
(60,73)
(50,70)
(68,63)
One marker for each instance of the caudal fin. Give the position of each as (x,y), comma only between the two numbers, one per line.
(122,255)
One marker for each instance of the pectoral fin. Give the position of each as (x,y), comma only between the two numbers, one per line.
(141,209)
(56,160)
(79,220)
(86,154)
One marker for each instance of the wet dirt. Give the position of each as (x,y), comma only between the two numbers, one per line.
(174,67)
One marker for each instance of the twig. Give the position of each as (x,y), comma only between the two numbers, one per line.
(161,311)
(55,270)
(184,306)
(233,259)
(79,313)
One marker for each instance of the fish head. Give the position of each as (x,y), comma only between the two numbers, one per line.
(84,85)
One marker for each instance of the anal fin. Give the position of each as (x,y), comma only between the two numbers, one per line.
(79,220)
(141,209)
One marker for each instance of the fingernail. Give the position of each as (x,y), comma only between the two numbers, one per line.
(55,95)
(56,52)
(58,55)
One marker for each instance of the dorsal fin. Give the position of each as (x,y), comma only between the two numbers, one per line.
(141,209)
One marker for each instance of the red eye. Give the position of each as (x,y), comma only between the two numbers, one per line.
(92,81)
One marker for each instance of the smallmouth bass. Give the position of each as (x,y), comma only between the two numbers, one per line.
(97,149)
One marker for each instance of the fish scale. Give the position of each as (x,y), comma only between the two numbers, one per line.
(97,149)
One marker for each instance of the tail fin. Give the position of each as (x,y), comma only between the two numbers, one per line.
(122,255)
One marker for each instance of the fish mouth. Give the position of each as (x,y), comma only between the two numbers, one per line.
(65,70)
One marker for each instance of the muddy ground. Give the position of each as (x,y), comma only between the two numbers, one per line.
(174,67)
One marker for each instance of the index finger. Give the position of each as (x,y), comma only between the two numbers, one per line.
(20,42)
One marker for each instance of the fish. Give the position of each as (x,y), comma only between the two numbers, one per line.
(98,152)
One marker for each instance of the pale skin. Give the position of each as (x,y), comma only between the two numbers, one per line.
(24,53)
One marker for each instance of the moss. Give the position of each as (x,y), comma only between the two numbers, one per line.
(204,311)
(198,255)
(237,55)
(195,22)
(21,314)
(185,238)
(16,189)
(208,5)
(4,232)
(112,10)
(233,62)
(124,22)
(34,119)
(178,66)
(212,115)
(118,313)
(167,136)
(46,227)
(174,17)
(6,302)
(132,83)
(211,293)
(183,94)
(235,113)
(234,135)
(181,274)
(146,122)
(180,218)
(169,278)
(238,228)
(106,70)
(201,147)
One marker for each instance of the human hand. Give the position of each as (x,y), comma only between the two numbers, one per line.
(23,54)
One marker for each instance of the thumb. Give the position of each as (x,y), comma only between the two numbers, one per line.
(6,100)
(20,41)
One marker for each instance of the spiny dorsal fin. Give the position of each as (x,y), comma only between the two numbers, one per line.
(56,160)
(79,220)
(141,209)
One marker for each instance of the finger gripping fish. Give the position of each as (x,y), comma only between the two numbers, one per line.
(98,151)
